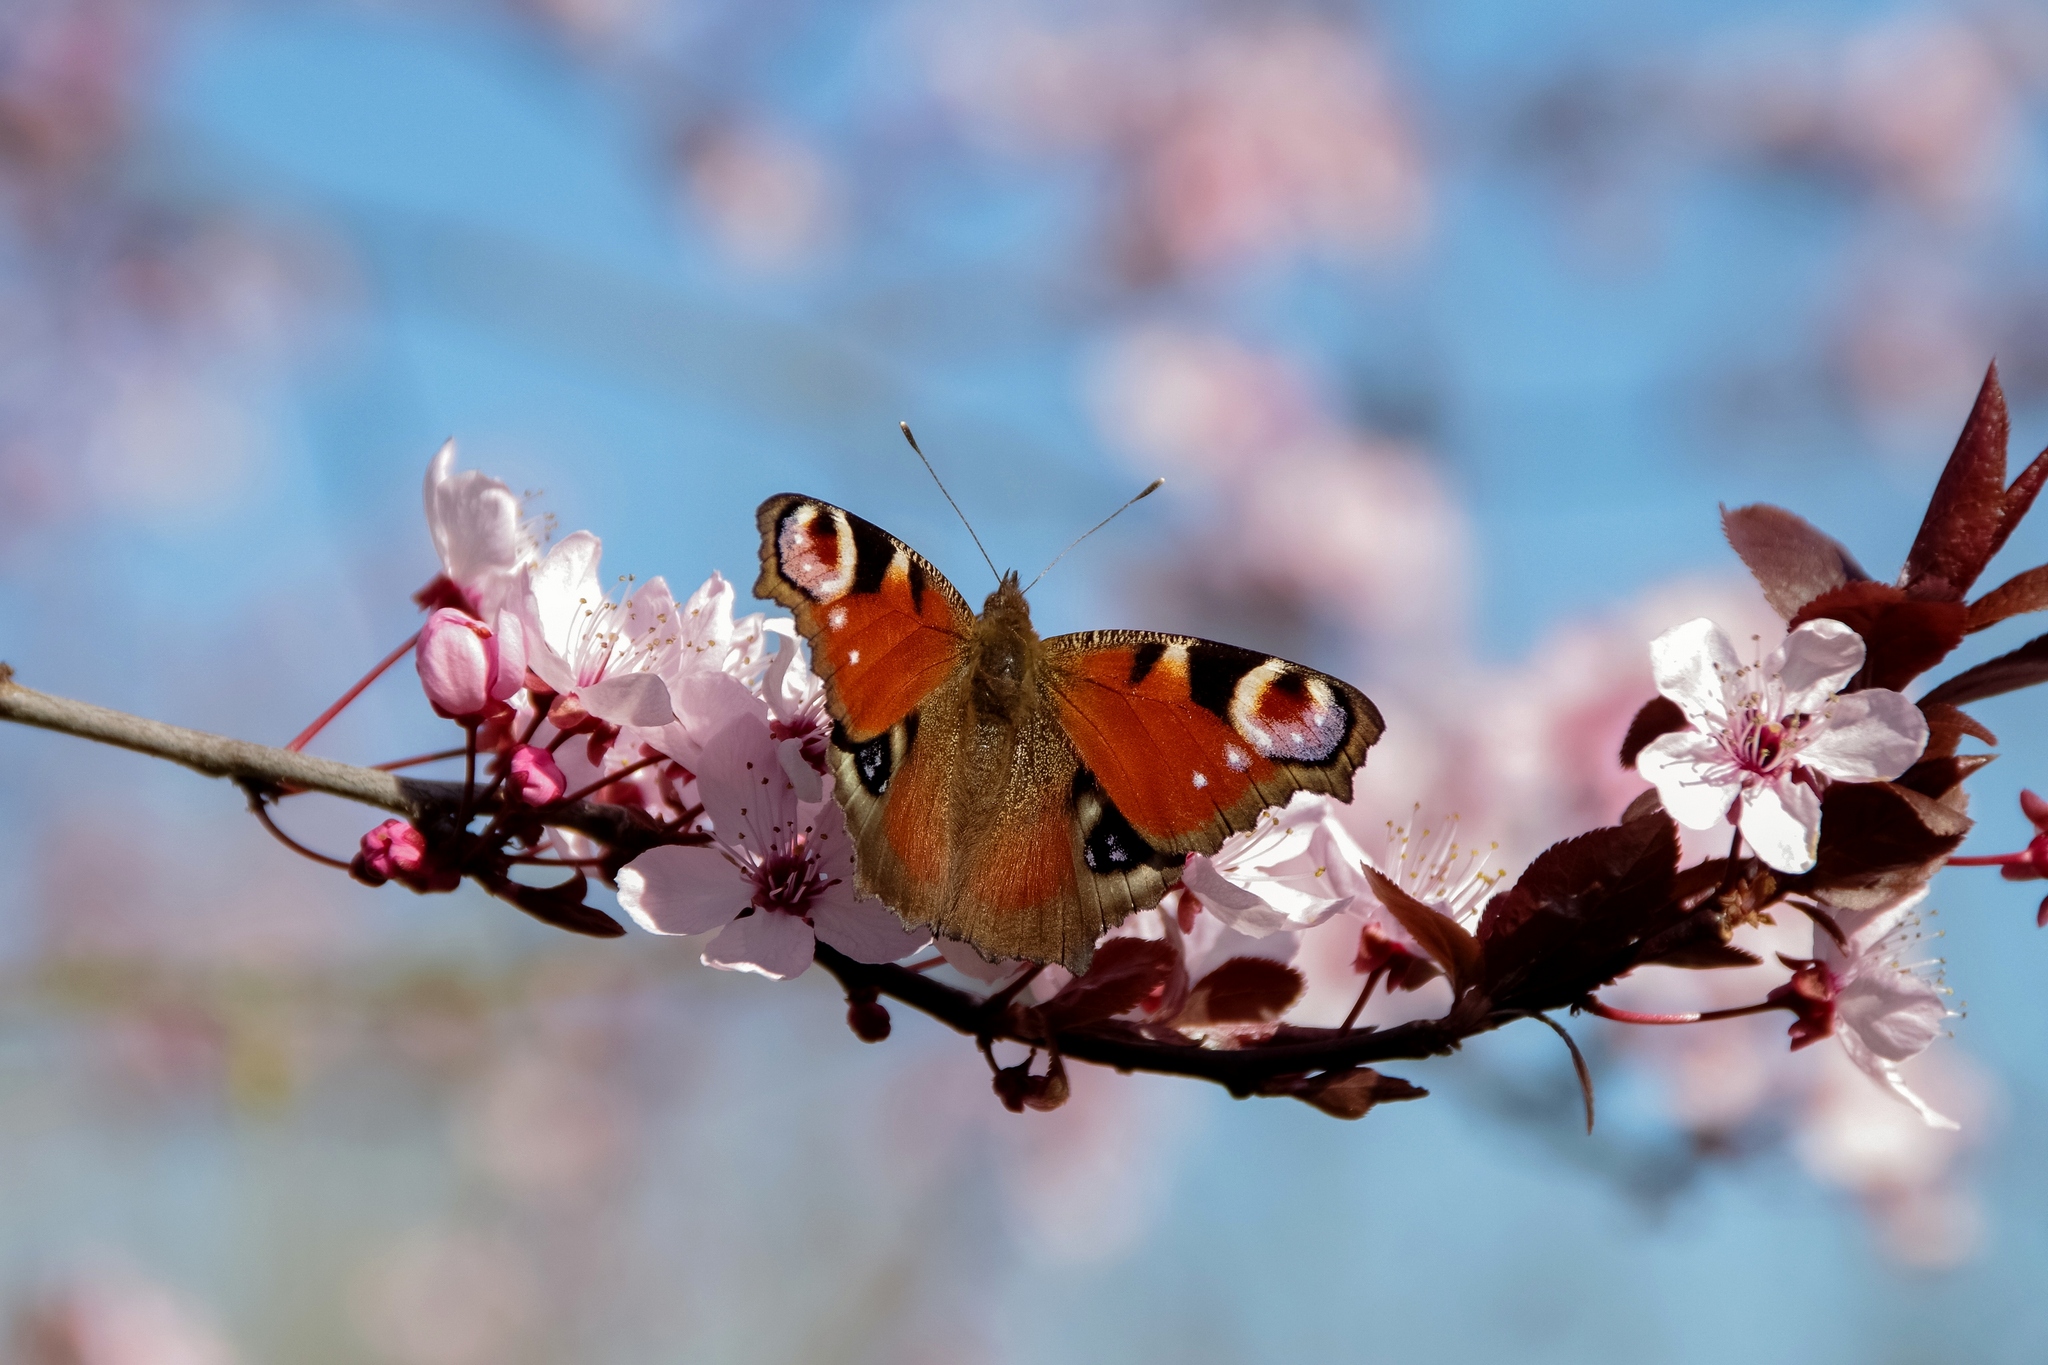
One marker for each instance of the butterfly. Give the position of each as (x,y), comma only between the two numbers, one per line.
(1024,795)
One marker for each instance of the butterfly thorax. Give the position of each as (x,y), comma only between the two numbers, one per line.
(1006,654)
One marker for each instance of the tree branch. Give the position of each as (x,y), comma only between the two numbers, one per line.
(277,769)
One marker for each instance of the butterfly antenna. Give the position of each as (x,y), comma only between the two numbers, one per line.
(1146,492)
(949,498)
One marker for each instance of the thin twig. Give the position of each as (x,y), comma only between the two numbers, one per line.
(305,736)
(258,807)
(1578,1062)
(607,779)
(416,760)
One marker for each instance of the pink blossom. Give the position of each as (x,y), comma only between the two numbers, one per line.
(1766,737)
(797,719)
(465,666)
(534,776)
(396,851)
(608,656)
(1294,868)
(475,522)
(778,877)
(1885,1011)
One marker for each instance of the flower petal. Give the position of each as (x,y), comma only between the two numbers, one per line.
(681,890)
(770,942)
(637,699)
(1694,665)
(806,781)
(1235,905)
(1814,662)
(1692,775)
(1886,1074)
(1895,1013)
(866,931)
(744,792)
(1782,823)
(1873,735)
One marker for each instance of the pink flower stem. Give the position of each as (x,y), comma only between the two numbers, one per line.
(1622,1016)
(395,764)
(319,724)
(926,965)
(609,778)
(256,804)
(1372,978)
(1992,860)
(468,774)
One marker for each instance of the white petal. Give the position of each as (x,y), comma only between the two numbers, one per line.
(1694,664)
(1873,735)
(705,620)
(565,587)
(866,931)
(1887,1075)
(637,699)
(682,890)
(1894,1013)
(768,941)
(1692,775)
(1814,662)
(1231,903)
(970,963)
(806,781)
(1782,824)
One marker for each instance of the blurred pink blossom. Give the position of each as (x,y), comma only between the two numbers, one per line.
(767,197)
(116,1316)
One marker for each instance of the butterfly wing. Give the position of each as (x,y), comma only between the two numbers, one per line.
(1188,740)
(888,637)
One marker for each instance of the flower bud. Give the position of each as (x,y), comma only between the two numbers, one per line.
(535,778)
(868,1018)
(1810,995)
(466,667)
(395,851)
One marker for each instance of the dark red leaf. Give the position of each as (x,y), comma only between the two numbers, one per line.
(1793,561)
(1966,518)
(1937,777)
(2016,596)
(1704,956)
(1947,723)
(1902,637)
(1244,990)
(1580,914)
(1438,935)
(1878,840)
(561,905)
(2023,667)
(1646,803)
(1658,716)
(2019,496)
(1346,1094)
(1124,972)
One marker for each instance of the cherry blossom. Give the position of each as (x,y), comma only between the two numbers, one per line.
(802,729)
(478,533)
(1885,1011)
(397,852)
(533,776)
(1765,738)
(1294,868)
(609,656)
(778,877)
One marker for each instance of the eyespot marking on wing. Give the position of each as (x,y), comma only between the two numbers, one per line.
(815,547)
(1288,714)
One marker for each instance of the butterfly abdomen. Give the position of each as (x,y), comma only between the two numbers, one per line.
(1005,655)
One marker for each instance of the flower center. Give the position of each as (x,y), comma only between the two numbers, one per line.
(1432,866)
(788,879)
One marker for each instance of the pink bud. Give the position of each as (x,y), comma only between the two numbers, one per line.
(393,849)
(456,655)
(2034,808)
(535,778)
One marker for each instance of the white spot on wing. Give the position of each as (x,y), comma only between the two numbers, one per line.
(1237,758)
(852,655)
(836,618)
(1201,781)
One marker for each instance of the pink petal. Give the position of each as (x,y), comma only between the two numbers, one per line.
(806,781)
(1782,824)
(510,674)
(741,783)
(768,941)
(637,699)
(682,890)
(1873,735)
(866,931)
(1693,777)
(1886,1074)
(1814,662)
(970,963)
(474,520)
(1241,909)
(1693,664)
(1894,1013)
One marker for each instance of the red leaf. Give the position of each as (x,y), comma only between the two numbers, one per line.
(1580,913)
(2016,596)
(1902,637)
(1658,716)
(1878,840)
(1438,935)
(1937,777)
(1793,561)
(1946,726)
(561,905)
(2022,667)
(1345,1094)
(1244,990)
(1966,518)
(2019,497)
(1124,972)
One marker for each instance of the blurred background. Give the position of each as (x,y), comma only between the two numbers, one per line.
(1449,324)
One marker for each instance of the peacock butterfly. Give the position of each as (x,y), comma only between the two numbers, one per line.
(1024,795)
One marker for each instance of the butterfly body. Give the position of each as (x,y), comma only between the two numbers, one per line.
(1021,794)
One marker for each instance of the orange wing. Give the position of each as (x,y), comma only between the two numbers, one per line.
(885,627)
(1190,739)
